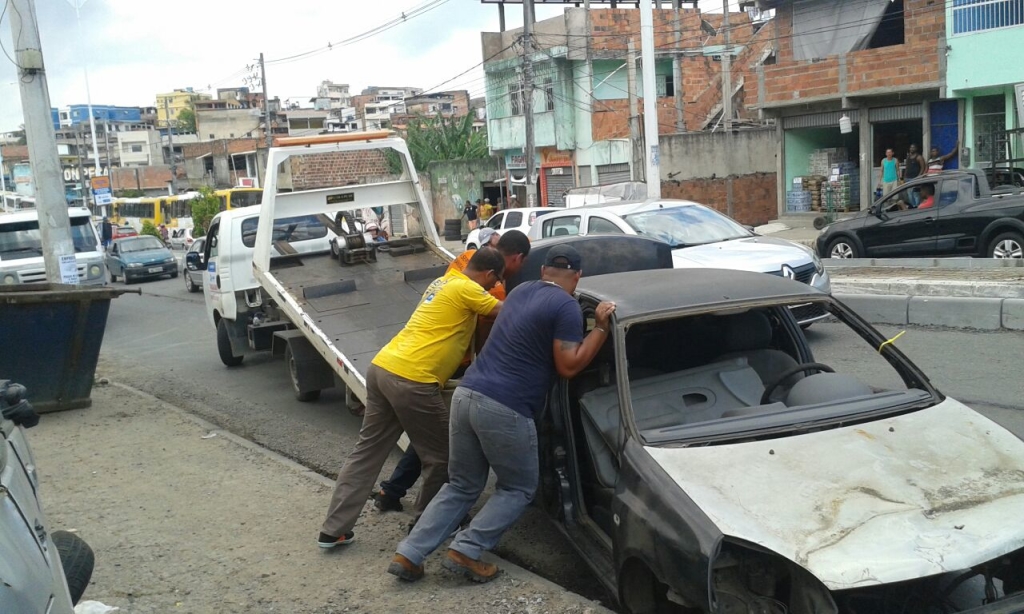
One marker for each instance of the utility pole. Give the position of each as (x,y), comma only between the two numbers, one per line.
(529,150)
(266,105)
(54,223)
(652,150)
(726,71)
(635,137)
(170,148)
(677,73)
(88,98)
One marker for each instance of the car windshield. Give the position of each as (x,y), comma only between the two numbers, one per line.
(734,375)
(687,225)
(23,239)
(141,244)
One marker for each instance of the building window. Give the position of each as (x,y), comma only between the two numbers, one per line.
(208,165)
(890,30)
(989,128)
(515,94)
(549,95)
(136,148)
(977,15)
(666,86)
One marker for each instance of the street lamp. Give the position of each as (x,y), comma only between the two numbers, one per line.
(88,94)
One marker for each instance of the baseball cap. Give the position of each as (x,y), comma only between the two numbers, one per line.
(563,257)
(485,235)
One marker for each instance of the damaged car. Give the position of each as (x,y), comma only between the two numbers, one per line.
(713,459)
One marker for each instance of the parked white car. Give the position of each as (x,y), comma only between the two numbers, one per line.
(699,236)
(180,238)
(518,219)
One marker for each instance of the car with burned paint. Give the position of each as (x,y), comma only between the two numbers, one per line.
(714,457)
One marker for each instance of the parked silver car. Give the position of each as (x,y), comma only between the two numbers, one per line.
(700,237)
(40,570)
(194,274)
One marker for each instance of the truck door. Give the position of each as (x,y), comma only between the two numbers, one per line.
(957,232)
(211,279)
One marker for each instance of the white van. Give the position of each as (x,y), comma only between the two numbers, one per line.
(232,293)
(21,248)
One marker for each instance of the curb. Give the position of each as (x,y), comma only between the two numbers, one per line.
(928,287)
(946,311)
(510,569)
(924,263)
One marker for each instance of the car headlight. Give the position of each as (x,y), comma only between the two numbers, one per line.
(134,265)
(819,266)
(94,270)
(10,279)
(169,260)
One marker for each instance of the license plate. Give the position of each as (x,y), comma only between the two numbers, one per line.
(156,269)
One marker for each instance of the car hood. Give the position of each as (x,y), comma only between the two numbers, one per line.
(932,491)
(756,254)
(147,256)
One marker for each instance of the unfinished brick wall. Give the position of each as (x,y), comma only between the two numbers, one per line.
(327,170)
(753,196)
(914,62)
(610,118)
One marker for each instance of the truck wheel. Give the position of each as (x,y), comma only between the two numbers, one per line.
(293,372)
(77,560)
(224,346)
(1007,245)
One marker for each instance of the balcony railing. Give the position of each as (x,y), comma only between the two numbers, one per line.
(980,15)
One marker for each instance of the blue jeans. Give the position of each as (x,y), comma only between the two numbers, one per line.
(483,434)
(404,476)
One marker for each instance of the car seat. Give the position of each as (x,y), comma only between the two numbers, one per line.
(749,335)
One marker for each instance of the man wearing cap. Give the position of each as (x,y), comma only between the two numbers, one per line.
(539,332)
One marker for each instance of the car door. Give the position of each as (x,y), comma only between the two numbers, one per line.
(895,232)
(114,263)
(211,282)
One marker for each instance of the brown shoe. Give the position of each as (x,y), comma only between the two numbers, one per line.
(404,569)
(477,571)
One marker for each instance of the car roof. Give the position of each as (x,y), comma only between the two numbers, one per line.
(640,293)
(528,209)
(637,206)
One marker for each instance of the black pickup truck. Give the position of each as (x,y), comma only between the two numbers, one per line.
(966,218)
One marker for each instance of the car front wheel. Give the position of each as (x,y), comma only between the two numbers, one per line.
(1007,245)
(842,248)
(190,285)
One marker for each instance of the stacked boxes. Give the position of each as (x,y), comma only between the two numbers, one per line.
(822,160)
(805,195)
(844,179)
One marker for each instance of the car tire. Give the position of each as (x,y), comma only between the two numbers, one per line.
(127,280)
(843,247)
(224,346)
(113,278)
(304,397)
(1007,245)
(641,592)
(190,285)
(77,560)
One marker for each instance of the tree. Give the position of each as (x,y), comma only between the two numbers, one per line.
(187,121)
(20,133)
(444,138)
(149,228)
(204,207)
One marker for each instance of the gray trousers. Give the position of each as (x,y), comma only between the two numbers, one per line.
(393,404)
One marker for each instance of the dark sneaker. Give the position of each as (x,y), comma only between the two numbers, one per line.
(404,569)
(385,502)
(477,571)
(329,541)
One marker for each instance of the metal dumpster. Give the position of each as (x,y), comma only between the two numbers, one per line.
(50,335)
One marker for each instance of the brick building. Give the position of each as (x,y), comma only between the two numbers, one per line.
(881,64)
(581,103)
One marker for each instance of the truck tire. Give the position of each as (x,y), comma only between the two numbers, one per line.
(289,361)
(77,560)
(224,346)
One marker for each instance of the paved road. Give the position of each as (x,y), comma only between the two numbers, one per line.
(162,343)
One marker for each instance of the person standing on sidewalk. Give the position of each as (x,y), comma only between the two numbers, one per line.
(470,213)
(514,247)
(492,426)
(403,390)
(889,176)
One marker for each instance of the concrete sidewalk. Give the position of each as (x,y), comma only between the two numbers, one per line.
(184,517)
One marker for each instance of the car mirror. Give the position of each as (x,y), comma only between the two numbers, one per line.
(194,261)
(750,228)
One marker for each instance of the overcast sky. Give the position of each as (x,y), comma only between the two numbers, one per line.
(136,49)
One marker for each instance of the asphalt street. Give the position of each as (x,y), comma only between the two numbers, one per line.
(163,343)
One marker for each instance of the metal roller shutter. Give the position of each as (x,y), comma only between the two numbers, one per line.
(893,114)
(817,120)
(557,184)
(613,173)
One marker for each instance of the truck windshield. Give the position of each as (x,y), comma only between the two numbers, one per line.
(687,225)
(23,240)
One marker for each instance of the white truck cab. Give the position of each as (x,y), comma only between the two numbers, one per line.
(21,248)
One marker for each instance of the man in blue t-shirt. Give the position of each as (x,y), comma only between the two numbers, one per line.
(538,333)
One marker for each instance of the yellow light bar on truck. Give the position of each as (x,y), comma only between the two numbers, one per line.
(321,139)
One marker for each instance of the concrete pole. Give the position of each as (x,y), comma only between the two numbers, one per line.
(88,96)
(267,132)
(54,223)
(653,151)
(635,138)
(677,72)
(3,180)
(530,149)
(170,149)
(726,71)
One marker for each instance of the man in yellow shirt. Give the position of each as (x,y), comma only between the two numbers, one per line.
(403,390)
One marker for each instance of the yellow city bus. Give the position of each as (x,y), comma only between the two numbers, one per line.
(172,211)
(236,198)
